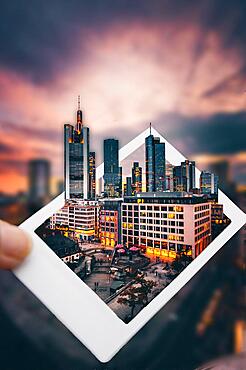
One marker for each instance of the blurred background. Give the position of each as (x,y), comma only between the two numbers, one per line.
(180,65)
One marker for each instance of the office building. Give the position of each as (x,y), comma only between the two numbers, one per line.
(184,176)
(169,177)
(76,159)
(136,178)
(79,217)
(208,183)
(110,221)
(112,171)
(155,164)
(128,187)
(92,175)
(167,223)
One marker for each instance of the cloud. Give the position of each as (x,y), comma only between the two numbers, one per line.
(221,133)
(234,84)
(41,39)
(178,64)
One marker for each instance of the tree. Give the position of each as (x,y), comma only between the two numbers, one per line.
(146,287)
(131,297)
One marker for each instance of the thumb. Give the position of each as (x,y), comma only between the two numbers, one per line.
(15,245)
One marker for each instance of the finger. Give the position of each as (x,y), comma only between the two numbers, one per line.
(15,245)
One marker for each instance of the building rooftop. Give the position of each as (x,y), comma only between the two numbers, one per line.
(167,197)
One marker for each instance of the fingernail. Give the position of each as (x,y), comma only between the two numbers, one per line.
(14,242)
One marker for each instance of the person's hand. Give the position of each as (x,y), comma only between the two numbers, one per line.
(15,245)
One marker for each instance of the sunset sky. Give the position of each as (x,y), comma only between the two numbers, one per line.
(179,64)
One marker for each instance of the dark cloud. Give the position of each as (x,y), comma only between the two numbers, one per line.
(39,38)
(7,149)
(222,133)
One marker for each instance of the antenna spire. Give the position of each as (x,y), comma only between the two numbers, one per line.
(78,102)
(150,128)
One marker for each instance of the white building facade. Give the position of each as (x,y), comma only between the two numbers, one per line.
(167,223)
(80,217)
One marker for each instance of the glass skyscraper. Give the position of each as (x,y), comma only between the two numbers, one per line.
(136,178)
(184,176)
(155,164)
(160,166)
(76,159)
(112,171)
(208,183)
(92,175)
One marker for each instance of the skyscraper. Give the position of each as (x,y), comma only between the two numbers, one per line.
(155,164)
(76,159)
(188,171)
(92,175)
(160,166)
(39,181)
(112,171)
(184,176)
(169,177)
(128,188)
(136,178)
(208,183)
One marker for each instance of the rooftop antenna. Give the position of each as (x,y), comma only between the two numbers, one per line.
(150,128)
(78,102)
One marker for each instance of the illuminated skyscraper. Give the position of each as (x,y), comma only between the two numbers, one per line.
(155,164)
(136,178)
(92,175)
(76,159)
(112,171)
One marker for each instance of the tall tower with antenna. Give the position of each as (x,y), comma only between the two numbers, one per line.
(76,158)
(79,123)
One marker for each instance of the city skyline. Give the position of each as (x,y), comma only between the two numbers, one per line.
(80,180)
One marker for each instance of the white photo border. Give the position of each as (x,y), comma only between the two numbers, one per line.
(75,304)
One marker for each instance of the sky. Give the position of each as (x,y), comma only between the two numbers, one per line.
(179,64)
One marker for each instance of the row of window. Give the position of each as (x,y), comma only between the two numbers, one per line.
(152,234)
(201,208)
(145,221)
(153,207)
(201,214)
(152,215)
(201,236)
(202,221)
